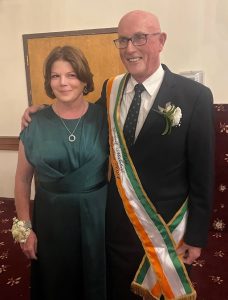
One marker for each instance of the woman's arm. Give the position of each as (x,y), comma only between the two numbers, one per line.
(23,179)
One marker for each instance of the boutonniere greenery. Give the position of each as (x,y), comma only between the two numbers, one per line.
(172,115)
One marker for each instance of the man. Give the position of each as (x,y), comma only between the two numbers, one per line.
(164,169)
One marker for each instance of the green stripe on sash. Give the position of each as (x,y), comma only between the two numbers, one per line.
(143,270)
(179,217)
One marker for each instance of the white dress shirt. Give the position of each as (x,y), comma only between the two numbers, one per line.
(152,85)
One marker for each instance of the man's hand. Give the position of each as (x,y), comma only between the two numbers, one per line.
(188,253)
(26,119)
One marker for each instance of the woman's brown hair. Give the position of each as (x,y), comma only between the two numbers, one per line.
(78,62)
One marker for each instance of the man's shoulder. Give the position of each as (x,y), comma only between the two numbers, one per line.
(96,108)
(183,81)
(103,98)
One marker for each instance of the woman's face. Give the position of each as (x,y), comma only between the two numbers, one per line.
(64,82)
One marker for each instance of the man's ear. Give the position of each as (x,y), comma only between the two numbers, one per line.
(162,39)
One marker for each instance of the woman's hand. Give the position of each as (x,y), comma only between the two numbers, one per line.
(29,248)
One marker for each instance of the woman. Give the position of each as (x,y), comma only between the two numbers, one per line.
(66,145)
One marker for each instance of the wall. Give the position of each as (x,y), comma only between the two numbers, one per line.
(197,40)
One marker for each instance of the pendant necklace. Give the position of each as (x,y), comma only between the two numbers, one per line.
(72,136)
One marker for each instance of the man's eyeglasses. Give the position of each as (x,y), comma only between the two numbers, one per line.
(137,39)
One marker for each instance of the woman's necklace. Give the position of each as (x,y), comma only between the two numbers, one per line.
(72,136)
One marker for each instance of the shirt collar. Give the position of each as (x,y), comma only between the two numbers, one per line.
(149,83)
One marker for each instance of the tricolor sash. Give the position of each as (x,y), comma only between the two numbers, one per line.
(161,271)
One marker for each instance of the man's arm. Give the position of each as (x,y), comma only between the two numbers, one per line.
(26,118)
(200,157)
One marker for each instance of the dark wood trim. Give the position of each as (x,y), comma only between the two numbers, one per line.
(26,59)
(27,37)
(69,33)
(9,143)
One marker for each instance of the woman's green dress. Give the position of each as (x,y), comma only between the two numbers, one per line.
(69,205)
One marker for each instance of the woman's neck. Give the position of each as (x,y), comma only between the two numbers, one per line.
(70,110)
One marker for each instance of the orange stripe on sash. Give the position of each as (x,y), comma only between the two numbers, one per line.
(156,290)
(108,90)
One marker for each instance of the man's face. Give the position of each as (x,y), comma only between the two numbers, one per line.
(141,61)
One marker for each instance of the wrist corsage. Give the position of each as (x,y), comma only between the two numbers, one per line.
(20,230)
(172,115)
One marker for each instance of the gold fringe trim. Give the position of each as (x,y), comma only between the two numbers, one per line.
(145,294)
(142,292)
(192,296)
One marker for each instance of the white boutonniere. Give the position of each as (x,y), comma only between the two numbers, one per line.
(172,115)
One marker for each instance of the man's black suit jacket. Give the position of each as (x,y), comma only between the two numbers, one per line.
(175,166)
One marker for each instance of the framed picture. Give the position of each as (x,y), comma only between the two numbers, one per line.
(96,44)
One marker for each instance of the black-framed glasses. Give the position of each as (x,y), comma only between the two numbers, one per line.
(137,39)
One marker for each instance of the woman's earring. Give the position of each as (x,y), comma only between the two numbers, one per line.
(85,91)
